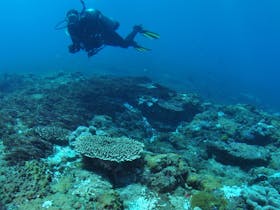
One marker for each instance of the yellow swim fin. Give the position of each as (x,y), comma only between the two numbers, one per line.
(150,34)
(141,49)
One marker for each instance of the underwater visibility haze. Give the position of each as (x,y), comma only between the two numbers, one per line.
(193,124)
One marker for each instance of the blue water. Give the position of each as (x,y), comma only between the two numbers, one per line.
(227,51)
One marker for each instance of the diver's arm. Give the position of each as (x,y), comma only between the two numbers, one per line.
(94,51)
(75,46)
(76,42)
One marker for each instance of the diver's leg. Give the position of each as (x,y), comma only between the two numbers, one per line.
(114,39)
(130,37)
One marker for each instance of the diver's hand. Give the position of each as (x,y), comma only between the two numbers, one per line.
(91,53)
(94,51)
(73,48)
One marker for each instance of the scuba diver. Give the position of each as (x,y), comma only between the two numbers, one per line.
(91,31)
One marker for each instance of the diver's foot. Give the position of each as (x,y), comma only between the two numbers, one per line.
(140,48)
(150,34)
(138,28)
(146,33)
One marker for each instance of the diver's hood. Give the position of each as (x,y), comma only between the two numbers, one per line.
(72,16)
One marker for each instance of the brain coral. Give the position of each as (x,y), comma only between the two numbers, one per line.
(107,148)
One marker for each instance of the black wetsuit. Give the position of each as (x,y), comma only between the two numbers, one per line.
(93,31)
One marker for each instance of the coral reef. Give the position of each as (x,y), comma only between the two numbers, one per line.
(23,147)
(261,197)
(138,197)
(118,158)
(167,113)
(274,180)
(53,134)
(77,189)
(240,154)
(241,123)
(108,148)
(62,144)
(27,182)
(164,172)
(208,201)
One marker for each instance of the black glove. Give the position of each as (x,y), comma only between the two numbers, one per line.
(73,48)
(94,51)
(91,53)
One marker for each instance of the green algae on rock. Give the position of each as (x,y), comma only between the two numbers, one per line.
(208,201)
(164,172)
